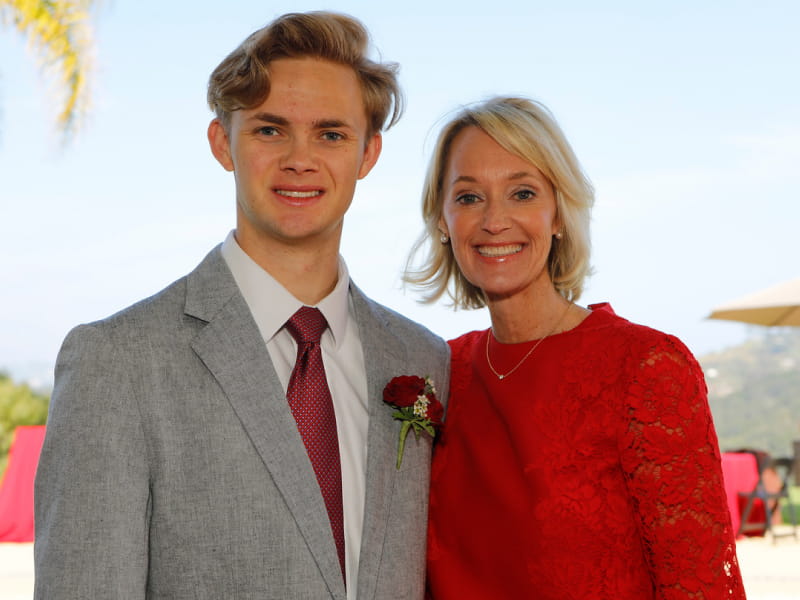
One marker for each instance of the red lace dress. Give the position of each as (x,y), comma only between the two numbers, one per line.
(591,472)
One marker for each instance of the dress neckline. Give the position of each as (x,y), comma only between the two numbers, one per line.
(597,316)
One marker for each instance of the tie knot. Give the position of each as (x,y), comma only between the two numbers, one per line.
(307,325)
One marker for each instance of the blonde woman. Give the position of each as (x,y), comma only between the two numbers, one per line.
(578,458)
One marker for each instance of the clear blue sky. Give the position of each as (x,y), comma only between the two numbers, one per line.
(686,116)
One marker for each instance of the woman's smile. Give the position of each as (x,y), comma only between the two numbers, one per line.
(495,251)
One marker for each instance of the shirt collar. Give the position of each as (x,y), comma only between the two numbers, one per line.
(272,305)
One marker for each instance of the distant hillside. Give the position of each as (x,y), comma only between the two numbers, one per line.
(754,392)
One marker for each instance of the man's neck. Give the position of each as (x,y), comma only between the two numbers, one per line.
(308,273)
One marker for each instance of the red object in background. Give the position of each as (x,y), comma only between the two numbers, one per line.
(740,471)
(16,487)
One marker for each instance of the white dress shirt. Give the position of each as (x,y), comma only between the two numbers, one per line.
(342,354)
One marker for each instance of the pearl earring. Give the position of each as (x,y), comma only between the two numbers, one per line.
(444,238)
(559,235)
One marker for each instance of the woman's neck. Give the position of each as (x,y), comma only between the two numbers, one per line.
(516,319)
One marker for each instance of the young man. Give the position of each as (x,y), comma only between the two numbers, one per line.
(195,449)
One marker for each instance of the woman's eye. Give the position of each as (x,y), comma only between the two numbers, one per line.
(525,195)
(467,199)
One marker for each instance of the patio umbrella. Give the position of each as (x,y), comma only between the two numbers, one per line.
(776,306)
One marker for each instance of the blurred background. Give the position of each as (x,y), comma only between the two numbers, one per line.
(685,115)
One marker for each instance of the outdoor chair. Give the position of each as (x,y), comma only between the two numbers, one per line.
(770,498)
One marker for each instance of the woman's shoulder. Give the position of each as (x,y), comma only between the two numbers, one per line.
(463,351)
(645,350)
(604,318)
(466,341)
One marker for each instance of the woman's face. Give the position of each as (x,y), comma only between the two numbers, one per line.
(500,213)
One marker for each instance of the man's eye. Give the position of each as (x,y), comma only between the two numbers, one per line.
(332,136)
(268,130)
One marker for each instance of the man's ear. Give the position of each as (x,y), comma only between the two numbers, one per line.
(371,154)
(220,144)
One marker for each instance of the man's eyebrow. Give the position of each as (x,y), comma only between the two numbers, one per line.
(330,124)
(270,118)
(266,117)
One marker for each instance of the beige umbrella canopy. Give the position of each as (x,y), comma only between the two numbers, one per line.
(776,306)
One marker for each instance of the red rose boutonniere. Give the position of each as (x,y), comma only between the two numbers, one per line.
(417,407)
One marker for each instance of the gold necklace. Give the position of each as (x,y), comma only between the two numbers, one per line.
(524,358)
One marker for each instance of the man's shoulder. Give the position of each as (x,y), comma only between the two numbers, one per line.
(152,318)
(400,325)
(161,309)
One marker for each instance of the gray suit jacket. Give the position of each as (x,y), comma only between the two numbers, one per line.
(172,466)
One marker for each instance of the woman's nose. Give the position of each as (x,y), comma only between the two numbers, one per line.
(495,218)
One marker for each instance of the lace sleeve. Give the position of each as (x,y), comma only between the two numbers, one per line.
(671,459)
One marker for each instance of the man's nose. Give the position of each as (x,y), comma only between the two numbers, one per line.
(299,156)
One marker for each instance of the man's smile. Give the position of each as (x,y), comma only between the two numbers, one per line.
(299,194)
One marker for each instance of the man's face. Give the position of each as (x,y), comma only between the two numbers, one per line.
(297,156)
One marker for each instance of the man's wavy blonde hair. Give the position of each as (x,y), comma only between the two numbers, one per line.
(242,79)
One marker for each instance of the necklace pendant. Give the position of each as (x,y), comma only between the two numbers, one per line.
(529,352)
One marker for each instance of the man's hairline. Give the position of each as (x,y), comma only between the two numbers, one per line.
(227,116)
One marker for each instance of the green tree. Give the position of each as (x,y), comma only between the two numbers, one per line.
(60,34)
(19,405)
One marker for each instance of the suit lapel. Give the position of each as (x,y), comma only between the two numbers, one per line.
(385,358)
(232,349)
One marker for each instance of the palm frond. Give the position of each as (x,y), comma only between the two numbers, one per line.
(61,35)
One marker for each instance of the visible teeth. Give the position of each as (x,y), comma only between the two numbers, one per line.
(294,194)
(494,251)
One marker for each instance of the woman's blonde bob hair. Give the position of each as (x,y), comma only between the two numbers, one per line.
(526,129)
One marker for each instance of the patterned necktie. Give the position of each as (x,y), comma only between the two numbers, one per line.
(312,407)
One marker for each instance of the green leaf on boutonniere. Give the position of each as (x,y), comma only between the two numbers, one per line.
(417,406)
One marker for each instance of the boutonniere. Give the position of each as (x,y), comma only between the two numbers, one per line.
(417,407)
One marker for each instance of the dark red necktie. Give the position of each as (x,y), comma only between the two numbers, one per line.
(312,407)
